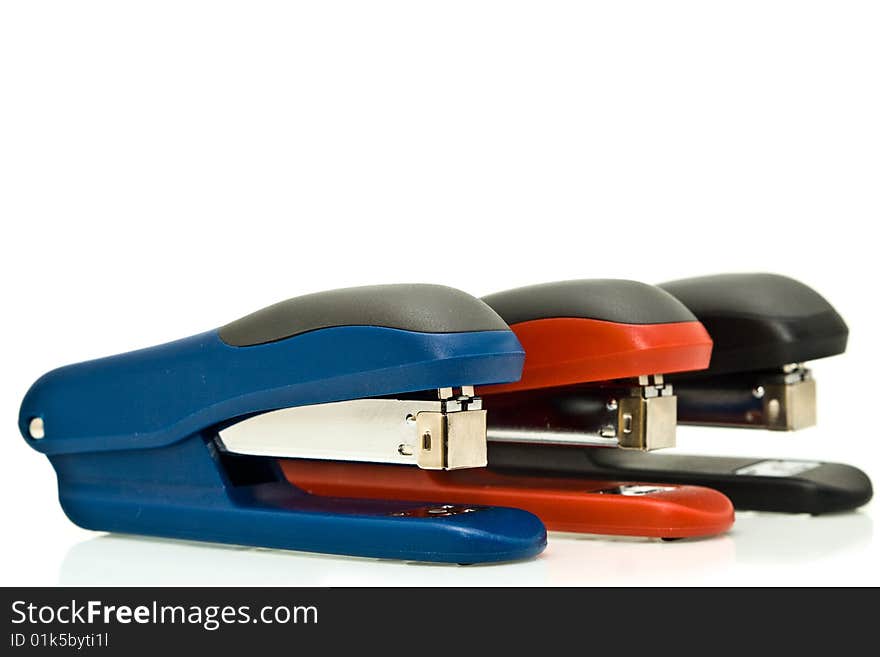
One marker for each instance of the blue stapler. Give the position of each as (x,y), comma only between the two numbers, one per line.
(181,440)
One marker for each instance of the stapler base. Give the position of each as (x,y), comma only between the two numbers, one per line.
(755,484)
(184,491)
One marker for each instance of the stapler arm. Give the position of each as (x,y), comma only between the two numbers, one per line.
(597,352)
(637,413)
(445,433)
(764,327)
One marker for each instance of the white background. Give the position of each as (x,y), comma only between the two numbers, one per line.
(166,167)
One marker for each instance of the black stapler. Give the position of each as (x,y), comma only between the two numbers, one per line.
(764,328)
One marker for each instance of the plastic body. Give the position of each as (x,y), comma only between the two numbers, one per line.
(131,437)
(751,483)
(589,331)
(155,397)
(184,491)
(563,503)
(761,321)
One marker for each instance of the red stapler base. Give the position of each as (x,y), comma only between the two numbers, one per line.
(564,503)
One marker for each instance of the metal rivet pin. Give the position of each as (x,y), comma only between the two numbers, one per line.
(36,428)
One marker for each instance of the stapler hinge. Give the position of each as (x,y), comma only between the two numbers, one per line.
(448,433)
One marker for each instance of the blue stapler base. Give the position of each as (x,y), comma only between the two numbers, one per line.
(183,491)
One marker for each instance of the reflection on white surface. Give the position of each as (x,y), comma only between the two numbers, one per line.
(784,543)
(130,560)
(781,539)
(584,560)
